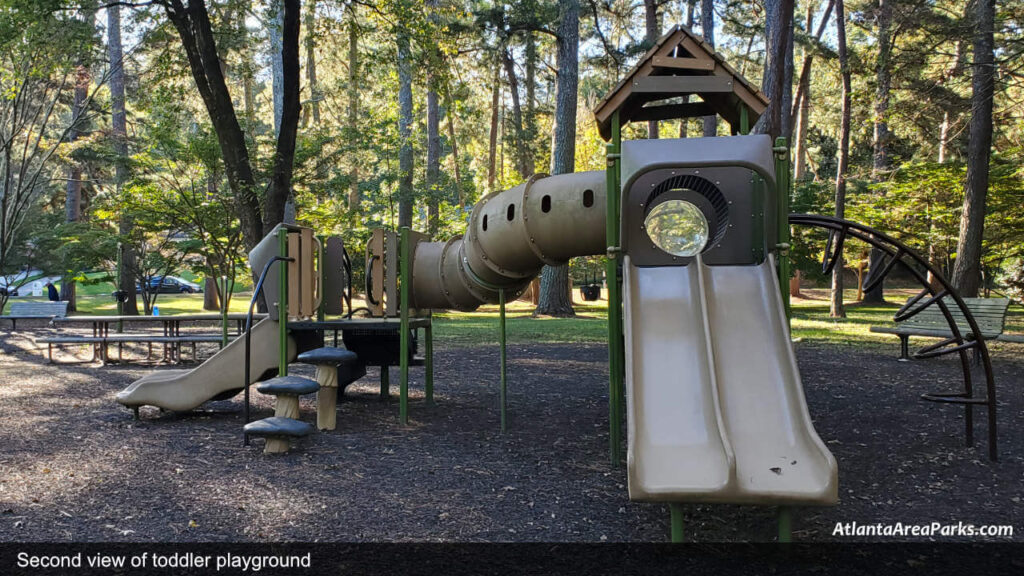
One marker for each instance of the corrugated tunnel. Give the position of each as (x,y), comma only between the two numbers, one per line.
(511,235)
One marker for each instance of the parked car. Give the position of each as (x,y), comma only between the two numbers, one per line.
(171,285)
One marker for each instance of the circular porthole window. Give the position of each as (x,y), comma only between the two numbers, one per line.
(677,227)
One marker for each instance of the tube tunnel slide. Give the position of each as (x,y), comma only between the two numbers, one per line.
(715,405)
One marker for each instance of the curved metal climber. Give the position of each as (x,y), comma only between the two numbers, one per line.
(959,343)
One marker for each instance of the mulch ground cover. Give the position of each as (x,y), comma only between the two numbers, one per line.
(75,466)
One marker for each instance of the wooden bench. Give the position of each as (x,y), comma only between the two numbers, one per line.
(35,311)
(172,344)
(989,313)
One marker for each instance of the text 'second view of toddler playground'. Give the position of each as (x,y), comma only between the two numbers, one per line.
(425,404)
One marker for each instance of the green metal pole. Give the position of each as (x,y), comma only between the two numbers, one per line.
(428,334)
(785,524)
(503,397)
(615,369)
(405,279)
(782,193)
(282,304)
(744,119)
(385,382)
(676,512)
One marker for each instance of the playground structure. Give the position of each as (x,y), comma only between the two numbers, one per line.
(696,235)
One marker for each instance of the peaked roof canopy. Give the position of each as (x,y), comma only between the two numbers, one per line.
(680,64)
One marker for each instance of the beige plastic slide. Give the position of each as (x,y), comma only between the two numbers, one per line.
(716,407)
(182,390)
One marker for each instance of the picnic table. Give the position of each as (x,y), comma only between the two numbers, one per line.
(171,336)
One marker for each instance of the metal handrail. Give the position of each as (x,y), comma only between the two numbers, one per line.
(248,334)
(896,251)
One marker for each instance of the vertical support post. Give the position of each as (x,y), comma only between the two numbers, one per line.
(322,268)
(224,311)
(503,394)
(282,304)
(785,524)
(385,382)
(676,512)
(782,218)
(744,119)
(405,278)
(615,353)
(117,288)
(428,335)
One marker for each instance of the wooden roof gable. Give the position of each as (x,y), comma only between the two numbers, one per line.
(679,64)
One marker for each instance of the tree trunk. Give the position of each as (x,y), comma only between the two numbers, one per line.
(967,268)
(353,107)
(405,160)
(778,27)
(275,33)
(73,193)
(449,112)
(279,192)
(492,148)
(880,143)
(314,86)
(210,300)
(433,162)
(803,94)
(554,281)
(524,162)
(652,32)
(119,133)
(837,309)
(707,29)
(786,120)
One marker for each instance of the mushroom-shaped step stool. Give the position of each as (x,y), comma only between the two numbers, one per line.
(335,367)
(287,389)
(278,431)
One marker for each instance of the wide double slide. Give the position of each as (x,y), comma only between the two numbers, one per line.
(715,405)
(222,373)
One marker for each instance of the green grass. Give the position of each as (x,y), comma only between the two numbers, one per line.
(103,304)
(811,321)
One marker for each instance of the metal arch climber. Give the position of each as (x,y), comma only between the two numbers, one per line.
(898,252)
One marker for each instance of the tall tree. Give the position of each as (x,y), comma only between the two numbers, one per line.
(313,109)
(880,142)
(652,31)
(433,136)
(73,190)
(802,100)
(837,309)
(707,29)
(353,106)
(521,152)
(778,27)
(555,291)
(492,135)
(405,153)
(119,132)
(967,268)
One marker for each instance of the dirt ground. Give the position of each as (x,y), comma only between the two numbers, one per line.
(74,465)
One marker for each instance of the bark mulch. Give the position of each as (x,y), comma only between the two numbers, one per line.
(75,466)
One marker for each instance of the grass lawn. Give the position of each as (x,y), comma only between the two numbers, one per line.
(810,318)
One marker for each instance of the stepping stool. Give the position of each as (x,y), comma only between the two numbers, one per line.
(335,367)
(285,424)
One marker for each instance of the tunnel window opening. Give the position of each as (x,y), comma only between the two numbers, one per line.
(485,223)
(545,204)
(511,212)
(588,198)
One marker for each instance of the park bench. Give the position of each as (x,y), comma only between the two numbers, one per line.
(35,311)
(172,344)
(989,313)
